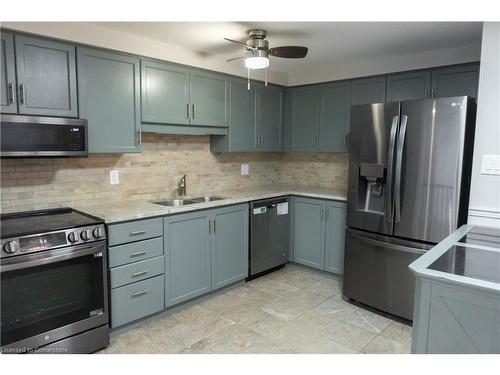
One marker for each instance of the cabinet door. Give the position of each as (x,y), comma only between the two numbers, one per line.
(187,256)
(309,232)
(408,86)
(209,97)
(455,81)
(305,118)
(8,79)
(335,235)
(286,134)
(229,245)
(46,75)
(243,116)
(108,91)
(164,93)
(334,117)
(368,90)
(269,115)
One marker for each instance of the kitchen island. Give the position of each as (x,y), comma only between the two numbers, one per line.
(457,294)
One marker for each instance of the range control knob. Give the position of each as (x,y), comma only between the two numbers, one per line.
(98,232)
(72,237)
(85,235)
(11,247)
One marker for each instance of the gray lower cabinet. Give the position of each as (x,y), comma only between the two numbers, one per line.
(108,91)
(304,103)
(318,233)
(46,77)
(8,95)
(408,86)
(455,81)
(204,250)
(368,90)
(335,115)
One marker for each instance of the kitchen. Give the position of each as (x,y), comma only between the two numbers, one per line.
(189,208)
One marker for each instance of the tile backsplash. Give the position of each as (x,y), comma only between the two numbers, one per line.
(28,184)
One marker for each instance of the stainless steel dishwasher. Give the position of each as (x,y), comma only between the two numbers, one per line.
(269,235)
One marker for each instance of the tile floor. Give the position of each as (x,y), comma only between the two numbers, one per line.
(289,311)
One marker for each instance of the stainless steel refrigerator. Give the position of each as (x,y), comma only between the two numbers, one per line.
(408,188)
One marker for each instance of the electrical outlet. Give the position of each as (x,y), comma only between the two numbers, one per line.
(491,165)
(114,177)
(245,169)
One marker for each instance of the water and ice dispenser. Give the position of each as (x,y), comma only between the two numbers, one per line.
(371,187)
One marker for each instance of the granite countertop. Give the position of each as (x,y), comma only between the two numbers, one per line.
(470,257)
(114,212)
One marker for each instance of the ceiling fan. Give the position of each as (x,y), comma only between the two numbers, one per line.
(258,51)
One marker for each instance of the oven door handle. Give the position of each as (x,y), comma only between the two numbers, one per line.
(41,259)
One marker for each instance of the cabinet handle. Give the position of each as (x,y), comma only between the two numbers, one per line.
(137,254)
(432,93)
(141,273)
(187,111)
(215,227)
(139,134)
(327,215)
(321,214)
(141,293)
(209,226)
(193,110)
(21,92)
(11,93)
(137,233)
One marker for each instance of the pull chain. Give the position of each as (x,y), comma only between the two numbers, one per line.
(265,77)
(248,86)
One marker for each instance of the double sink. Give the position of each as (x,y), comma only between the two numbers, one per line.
(177,202)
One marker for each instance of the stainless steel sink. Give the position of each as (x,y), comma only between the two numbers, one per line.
(207,198)
(175,202)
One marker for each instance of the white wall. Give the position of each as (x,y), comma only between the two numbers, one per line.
(361,68)
(100,36)
(484,207)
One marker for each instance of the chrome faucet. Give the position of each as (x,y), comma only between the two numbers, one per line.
(181,186)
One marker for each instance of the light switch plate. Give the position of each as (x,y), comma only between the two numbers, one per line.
(114,177)
(491,165)
(245,169)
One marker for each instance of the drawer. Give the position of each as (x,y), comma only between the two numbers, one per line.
(136,251)
(134,231)
(137,271)
(137,300)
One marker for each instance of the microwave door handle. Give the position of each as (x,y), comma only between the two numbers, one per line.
(390,166)
(399,166)
(35,260)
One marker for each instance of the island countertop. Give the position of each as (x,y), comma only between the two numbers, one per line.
(114,212)
(470,256)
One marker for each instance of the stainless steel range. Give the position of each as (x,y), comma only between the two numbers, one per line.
(54,284)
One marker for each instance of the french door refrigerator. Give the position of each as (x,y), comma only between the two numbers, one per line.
(408,188)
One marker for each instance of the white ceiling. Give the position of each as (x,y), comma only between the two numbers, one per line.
(328,42)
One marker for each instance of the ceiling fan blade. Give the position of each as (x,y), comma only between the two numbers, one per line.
(235,58)
(290,52)
(237,41)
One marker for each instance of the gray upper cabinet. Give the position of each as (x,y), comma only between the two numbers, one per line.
(46,77)
(164,93)
(304,104)
(309,232)
(187,256)
(8,79)
(335,236)
(334,117)
(109,95)
(368,90)
(229,245)
(209,99)
(408,86)
(269,117)
(455,81)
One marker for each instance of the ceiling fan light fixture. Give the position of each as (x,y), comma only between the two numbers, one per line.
(256,59)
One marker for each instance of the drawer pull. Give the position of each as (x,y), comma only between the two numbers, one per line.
(141,273)
(137,233)
(141,293)
(138,254)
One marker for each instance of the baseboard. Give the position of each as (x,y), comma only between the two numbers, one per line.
(484,216)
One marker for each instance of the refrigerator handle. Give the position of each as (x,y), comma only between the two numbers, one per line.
(390,172)
(399,166)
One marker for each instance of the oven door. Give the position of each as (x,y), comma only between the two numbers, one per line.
(52,295)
